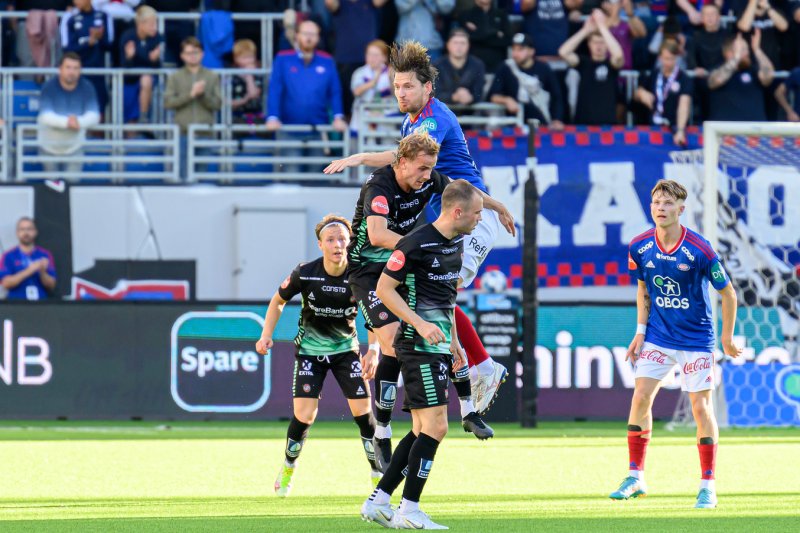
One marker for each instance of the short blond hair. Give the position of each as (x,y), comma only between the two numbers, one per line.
(244,46)
(332,219)
(670,188)
(146,13)
(413,145)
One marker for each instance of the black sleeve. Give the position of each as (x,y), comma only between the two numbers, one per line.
(478,80)
(500,85)
(687,85)
(440,181)
(376,200)
(401,260)
(291,286)
(556,96)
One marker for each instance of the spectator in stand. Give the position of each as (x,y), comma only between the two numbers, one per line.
(418,23)
(27,271)
(524,81)
(547,22)
(247,89)
(690,9)
(122,14)
(759,14)
(705,53)
(67,107)
(193,92)
(599,71)
(355,23)
(371,83)
(624,31)
(737,86)
(667,92)
(461,75)
(304,89)
(140,47)
(175,31)
(790,85)
(489,33)
(21,44)
(89,33)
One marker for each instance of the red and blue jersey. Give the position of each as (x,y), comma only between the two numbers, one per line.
(454,160)
(31,288)
(677,282)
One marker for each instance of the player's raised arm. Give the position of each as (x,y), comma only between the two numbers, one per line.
(505,216)
(274,312)
(642,314)
(729,302)
(370,159)
(387,292)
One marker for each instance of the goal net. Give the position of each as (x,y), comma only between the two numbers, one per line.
(747,181)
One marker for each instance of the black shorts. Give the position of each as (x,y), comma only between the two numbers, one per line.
(376,314)
(310,372)
(426,378)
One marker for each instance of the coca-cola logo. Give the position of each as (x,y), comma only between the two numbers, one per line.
(654,355)
(703,363)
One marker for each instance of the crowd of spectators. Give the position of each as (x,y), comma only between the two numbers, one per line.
(557,61)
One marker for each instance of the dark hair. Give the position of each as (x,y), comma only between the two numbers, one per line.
(668,187)
(26,219)
(411,56)
(458,31)
(458,193)
(69,55)
(191,41)
(670,45)
(672,26)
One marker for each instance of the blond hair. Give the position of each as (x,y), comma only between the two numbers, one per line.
(670,188)
(332,219)
(244,46)
(146,13)
(413,145)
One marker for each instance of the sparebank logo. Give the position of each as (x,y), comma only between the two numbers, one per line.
(214,367)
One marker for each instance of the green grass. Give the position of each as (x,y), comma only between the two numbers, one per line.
(143,476)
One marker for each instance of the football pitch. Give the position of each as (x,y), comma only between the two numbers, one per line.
(144,476)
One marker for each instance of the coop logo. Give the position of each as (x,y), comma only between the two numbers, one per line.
(214,365)
(687,253)
(644,248)
(670,293)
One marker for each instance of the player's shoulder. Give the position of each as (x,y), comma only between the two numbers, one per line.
(380,177)
(642,239)
(695,241)
(10,253)
(308,267)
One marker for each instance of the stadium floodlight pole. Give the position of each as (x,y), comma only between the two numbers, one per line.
(530,306)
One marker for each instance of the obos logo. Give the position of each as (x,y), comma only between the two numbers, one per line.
(215,368)
(670,293)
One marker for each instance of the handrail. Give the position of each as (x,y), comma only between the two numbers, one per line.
(119,158)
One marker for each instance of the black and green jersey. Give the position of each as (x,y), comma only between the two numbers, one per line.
(427,266)
(381,196)
(328,317)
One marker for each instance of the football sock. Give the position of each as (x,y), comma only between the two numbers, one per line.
(366,426)
(420,462)
(386,389)
(637,448)
(380,497)
(295,437)
(468,337)
(708,457)
(407,506)
(397,468)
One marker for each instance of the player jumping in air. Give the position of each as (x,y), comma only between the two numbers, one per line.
(674,266)
(413,87)
(388,207)
(326,340)
(419,285)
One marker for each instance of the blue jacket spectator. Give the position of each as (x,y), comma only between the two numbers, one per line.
(216,34)
(140,47)
(547,21)
(305,87)
(89,33)
(27,271)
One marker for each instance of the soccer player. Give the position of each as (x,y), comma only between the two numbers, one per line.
(326,340)
(390,203)
(413,87)
(419,285)
(674,266)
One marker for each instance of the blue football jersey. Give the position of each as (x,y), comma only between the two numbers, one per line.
(677,282)
(454,160)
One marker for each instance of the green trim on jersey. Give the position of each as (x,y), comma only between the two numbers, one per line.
(428,384)
(311,344)
(408,330)
(443,320)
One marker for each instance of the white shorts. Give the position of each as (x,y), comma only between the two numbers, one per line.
(697,368)
(478,244)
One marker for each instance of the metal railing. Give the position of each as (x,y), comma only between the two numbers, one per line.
(116,77)
(122,153)
(5,146)
(378,127)
(241,152)
(267,21)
